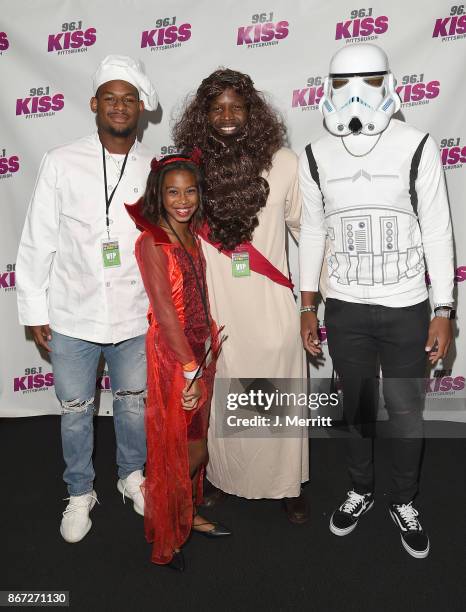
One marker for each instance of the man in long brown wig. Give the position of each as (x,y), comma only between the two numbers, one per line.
(252,196)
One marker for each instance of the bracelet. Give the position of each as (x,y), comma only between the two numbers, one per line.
(308,309)
(191,375)
(190,369)
(443,305)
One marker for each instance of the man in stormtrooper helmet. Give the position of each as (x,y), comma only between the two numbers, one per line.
(375,205)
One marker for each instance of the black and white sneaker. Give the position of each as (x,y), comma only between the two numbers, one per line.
(414,539)
(346,517)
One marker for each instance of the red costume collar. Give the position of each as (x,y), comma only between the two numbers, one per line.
(143,224)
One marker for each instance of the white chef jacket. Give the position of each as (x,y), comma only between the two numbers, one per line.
(376,243)
(60,277)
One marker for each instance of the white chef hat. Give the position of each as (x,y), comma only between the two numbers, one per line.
(124,68)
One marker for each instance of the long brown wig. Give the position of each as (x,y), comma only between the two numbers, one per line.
(234,189)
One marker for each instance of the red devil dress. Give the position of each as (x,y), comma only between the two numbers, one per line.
(176,337)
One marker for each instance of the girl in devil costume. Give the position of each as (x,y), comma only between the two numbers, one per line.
(182,344)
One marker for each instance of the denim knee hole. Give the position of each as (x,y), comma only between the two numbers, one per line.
(133,400)
(75,406)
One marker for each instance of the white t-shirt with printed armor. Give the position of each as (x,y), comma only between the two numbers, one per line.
(363,208)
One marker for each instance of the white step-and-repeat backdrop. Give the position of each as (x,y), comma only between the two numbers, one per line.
(50,49)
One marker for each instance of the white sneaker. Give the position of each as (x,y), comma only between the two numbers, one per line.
(76,523)
(131,487)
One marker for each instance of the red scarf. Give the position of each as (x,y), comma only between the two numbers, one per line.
(257,261)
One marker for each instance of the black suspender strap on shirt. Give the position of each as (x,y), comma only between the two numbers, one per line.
(314,169)
(413,172)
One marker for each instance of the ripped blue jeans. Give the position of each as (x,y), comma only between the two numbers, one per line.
(75,365)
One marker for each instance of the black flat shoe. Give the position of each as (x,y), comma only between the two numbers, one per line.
(218,530)
(177,563)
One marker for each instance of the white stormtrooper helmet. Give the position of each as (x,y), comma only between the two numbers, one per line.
(359,92)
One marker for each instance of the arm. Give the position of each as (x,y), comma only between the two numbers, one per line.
(37,249)
(311,253)
(437,240)
(293,206)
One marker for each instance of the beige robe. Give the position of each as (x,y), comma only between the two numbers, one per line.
(261,319)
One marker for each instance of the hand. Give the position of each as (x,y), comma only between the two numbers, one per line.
(41,334)
(190,399)
(309,336)
(439,339)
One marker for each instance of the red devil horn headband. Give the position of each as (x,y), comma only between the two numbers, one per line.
(195,158)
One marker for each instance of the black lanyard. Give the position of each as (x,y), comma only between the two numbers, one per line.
(201,288)
(108,200)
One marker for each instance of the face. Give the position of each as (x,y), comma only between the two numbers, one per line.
(180,195)
(117,107)
(227,114)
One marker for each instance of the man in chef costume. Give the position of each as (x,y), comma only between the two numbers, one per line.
(79,288)
(373,188)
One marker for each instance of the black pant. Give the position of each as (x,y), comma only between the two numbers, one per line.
(363,338)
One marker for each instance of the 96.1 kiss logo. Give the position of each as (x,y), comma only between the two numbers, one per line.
(7,278)
(460,274)
(4,42)
(40,102)
(362,26)
(167,34)
(453,154)
(444,384)
(322,333)
(169,149)
(72,38)
(103,383)
(453,26)
(33,380)
(9,164)
(414,90)
(308,97)
(263,31)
